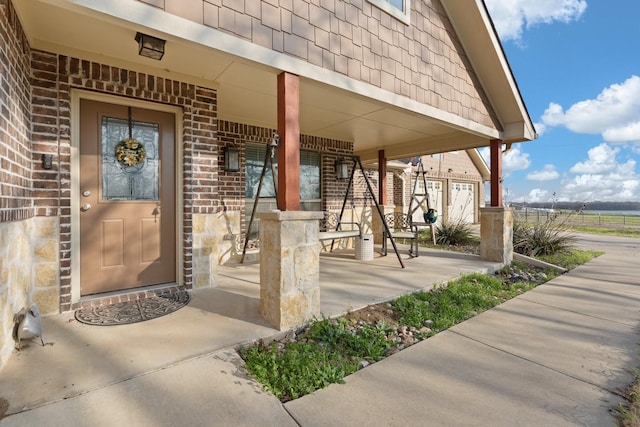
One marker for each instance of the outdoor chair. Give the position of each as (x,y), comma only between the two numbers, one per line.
(331,228)
(401,227)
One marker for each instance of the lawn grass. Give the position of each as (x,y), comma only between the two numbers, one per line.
(571,259)
(610,231)
(330,349)
(629,414)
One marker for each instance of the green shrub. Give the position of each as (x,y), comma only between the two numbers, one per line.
(541,239)
(454,233)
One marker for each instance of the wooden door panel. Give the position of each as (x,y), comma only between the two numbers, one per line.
(150,240)
(112,243)
(127,225)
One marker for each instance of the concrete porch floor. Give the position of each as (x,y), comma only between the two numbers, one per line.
(78,358)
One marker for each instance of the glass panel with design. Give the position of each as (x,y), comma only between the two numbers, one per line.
(130,171)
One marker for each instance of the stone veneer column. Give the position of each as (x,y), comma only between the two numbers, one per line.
(289,267)
(496,234)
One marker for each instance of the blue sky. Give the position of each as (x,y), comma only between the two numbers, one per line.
(577,64)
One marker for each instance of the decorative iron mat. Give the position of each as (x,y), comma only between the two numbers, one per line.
(123,313)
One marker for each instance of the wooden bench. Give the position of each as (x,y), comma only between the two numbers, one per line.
(401,226)
(331,228)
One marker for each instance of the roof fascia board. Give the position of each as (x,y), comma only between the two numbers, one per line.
(479,163)
(476,9)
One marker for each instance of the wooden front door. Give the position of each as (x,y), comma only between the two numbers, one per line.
(127,197)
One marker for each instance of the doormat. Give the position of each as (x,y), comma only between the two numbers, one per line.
(123,313)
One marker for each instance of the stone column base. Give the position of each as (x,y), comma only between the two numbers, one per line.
(496,234)
(289,267)
(377,226)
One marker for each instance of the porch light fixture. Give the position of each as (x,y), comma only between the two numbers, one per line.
(149,46)
(275,140)
(342,169)
(231,159)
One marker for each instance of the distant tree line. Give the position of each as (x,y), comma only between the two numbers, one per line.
(593,206)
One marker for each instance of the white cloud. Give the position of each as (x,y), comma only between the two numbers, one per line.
(602,159)
(547,173)
(628,132)
(513,160)
(614,113)
(553,115)
(537,195)
(602,178)
(511,16)
(540,127)
(599,177)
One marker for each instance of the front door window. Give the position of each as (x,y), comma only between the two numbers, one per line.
(129,165)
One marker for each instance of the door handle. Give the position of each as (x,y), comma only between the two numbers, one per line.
(85,207)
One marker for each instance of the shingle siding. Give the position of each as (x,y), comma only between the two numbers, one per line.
(423,61)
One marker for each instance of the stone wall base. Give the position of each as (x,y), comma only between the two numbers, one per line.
(214,243)
(29,272)
(496,234)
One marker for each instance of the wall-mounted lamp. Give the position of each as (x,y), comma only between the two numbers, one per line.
(342,169)
(275,140)
(450,170)
(149,46)
(231,159)
(47,161)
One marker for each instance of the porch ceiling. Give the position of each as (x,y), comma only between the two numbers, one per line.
(246,89)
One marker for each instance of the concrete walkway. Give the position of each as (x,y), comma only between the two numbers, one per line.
(557,355)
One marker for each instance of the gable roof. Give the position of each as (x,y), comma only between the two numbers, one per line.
(484,49)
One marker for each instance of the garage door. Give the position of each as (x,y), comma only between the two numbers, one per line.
(463,202)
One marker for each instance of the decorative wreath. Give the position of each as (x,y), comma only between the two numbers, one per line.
(130,152)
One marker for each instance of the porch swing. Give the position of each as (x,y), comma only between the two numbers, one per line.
(421,200)
(268,160)
(371,195)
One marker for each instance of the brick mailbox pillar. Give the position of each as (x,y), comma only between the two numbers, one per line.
(496,234)
(289,267)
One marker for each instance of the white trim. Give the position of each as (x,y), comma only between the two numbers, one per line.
(403,15)
(161,23)
(76,96)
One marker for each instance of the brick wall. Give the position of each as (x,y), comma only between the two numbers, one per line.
(16,209)
(54,76)
(232,184)
(423,61)
(15,125)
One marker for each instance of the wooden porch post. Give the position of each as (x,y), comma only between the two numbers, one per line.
(496,221)
(496,172)
(382,178)
(289,148)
